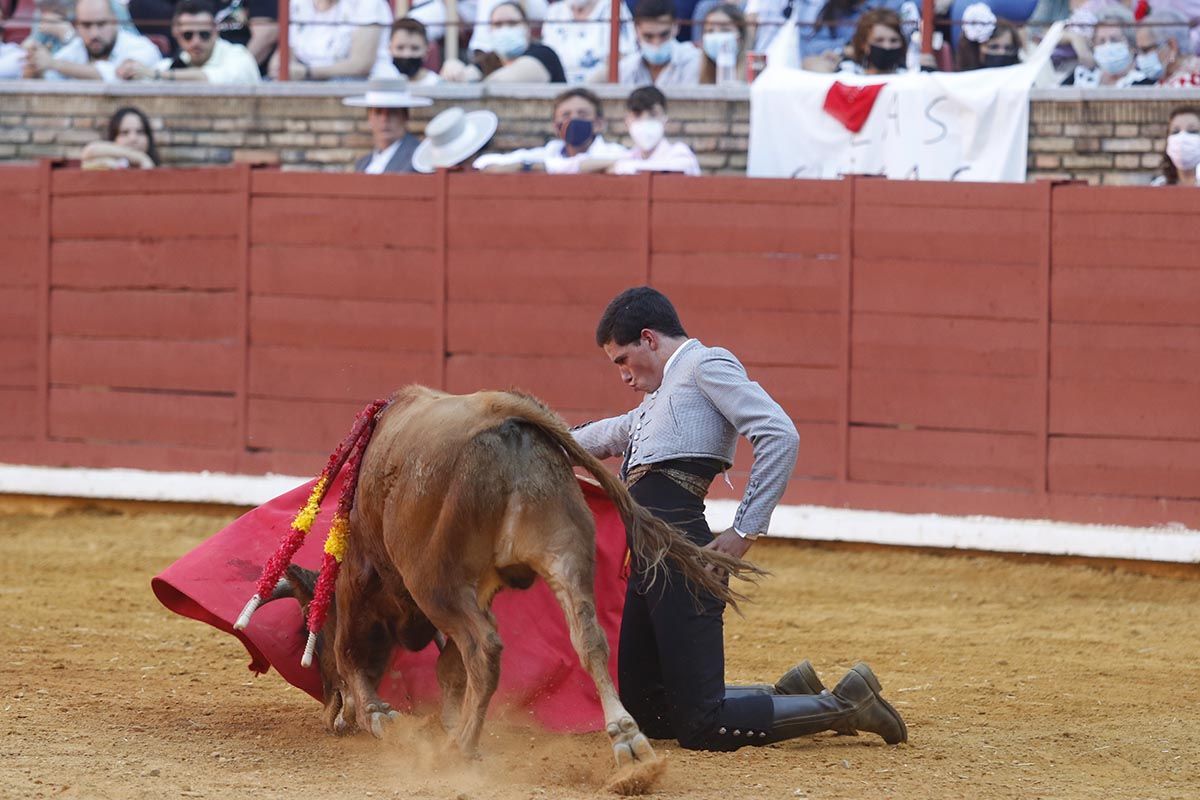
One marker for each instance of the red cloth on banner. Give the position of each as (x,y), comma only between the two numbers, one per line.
(851,105)
(540,673)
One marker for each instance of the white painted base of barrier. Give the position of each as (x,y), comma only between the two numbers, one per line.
(1176,544)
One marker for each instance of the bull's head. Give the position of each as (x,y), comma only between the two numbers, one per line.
(301,583)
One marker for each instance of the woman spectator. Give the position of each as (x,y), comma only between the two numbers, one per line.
(1165,50)
(878,46)
(516,58)
(987,43)
(128,142)
(1111,48)
(1182,154)
(724,30)
(336,39)
(825,47)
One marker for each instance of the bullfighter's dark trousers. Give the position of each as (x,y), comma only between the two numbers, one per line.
(671,662)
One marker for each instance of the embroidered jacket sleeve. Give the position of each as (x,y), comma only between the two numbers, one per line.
(747,406)
(606,437)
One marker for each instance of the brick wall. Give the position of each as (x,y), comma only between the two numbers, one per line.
(1102,136)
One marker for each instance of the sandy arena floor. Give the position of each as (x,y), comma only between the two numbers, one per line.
(1016,679)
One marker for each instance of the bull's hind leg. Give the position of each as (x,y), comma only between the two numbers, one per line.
(452,678)
(473,632)
(573,584)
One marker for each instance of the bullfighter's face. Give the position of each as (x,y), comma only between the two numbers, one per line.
(640,363)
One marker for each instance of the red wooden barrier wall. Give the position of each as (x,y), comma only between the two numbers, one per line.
(1020,350)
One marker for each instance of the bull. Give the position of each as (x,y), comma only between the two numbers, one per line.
(459,497)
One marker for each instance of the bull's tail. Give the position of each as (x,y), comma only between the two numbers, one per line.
(651,540)
(349,454)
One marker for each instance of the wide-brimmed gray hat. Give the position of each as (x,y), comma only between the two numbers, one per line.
(452,137)
(391,93)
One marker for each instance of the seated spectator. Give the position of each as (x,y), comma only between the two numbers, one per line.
(724,29)
(409,47)
(579,146)
(877,47)
(660,60)
(1111,47)
(824,48)
(1182,156)
(335,39)
(452,137)
(254,24)
(481,31)
(128,143)
(1165,51)
(387,104)
(515,57)
(984,45)
(646,119)
(203,55)
(95,52)
(578,30)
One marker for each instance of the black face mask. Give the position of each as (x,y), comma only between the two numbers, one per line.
(408,66)
(885,60)
(998,59)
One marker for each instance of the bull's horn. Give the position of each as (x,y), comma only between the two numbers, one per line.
(282,589)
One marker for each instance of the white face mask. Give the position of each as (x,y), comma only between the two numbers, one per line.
(1183,149)
(647,133)
(1150,65)
(509,41)
(717,42)
(1113,57)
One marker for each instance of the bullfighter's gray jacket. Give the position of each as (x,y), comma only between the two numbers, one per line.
(706,400)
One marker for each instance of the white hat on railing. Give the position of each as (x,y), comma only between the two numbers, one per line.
(392,93)
(452,137)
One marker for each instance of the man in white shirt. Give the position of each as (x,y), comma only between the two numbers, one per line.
(95,53)
(579,32)
(203,54)
(661,59)
(387,103)
(646,119)
(580,147)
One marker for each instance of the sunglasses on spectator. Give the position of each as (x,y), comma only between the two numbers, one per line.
(187,36)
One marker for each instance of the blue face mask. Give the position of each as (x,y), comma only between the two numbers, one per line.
(657,54)
(1113,57)
(1150,65)
(578,132)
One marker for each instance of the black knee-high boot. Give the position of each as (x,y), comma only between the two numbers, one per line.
(854,703)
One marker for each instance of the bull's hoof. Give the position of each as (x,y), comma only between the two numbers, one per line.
(630,746)
(340,726)
(378,716)
(637,778)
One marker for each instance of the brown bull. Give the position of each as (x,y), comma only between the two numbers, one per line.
(457,498)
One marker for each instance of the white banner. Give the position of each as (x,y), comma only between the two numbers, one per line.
(967,126)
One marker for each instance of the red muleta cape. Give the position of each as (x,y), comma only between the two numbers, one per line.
(540,674)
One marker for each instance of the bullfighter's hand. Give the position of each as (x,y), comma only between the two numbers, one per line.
(729,543)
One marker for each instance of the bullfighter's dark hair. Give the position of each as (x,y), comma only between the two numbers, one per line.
(634,310)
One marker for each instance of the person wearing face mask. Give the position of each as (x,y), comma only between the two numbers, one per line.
(578,31)
(1181,158)
(877,47)
(646,119)
(660,59)
(824,47)
(1112,52)
(578,146)
(515,57)
(1164,51)
(408,45)
(723,45)
(988,43)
